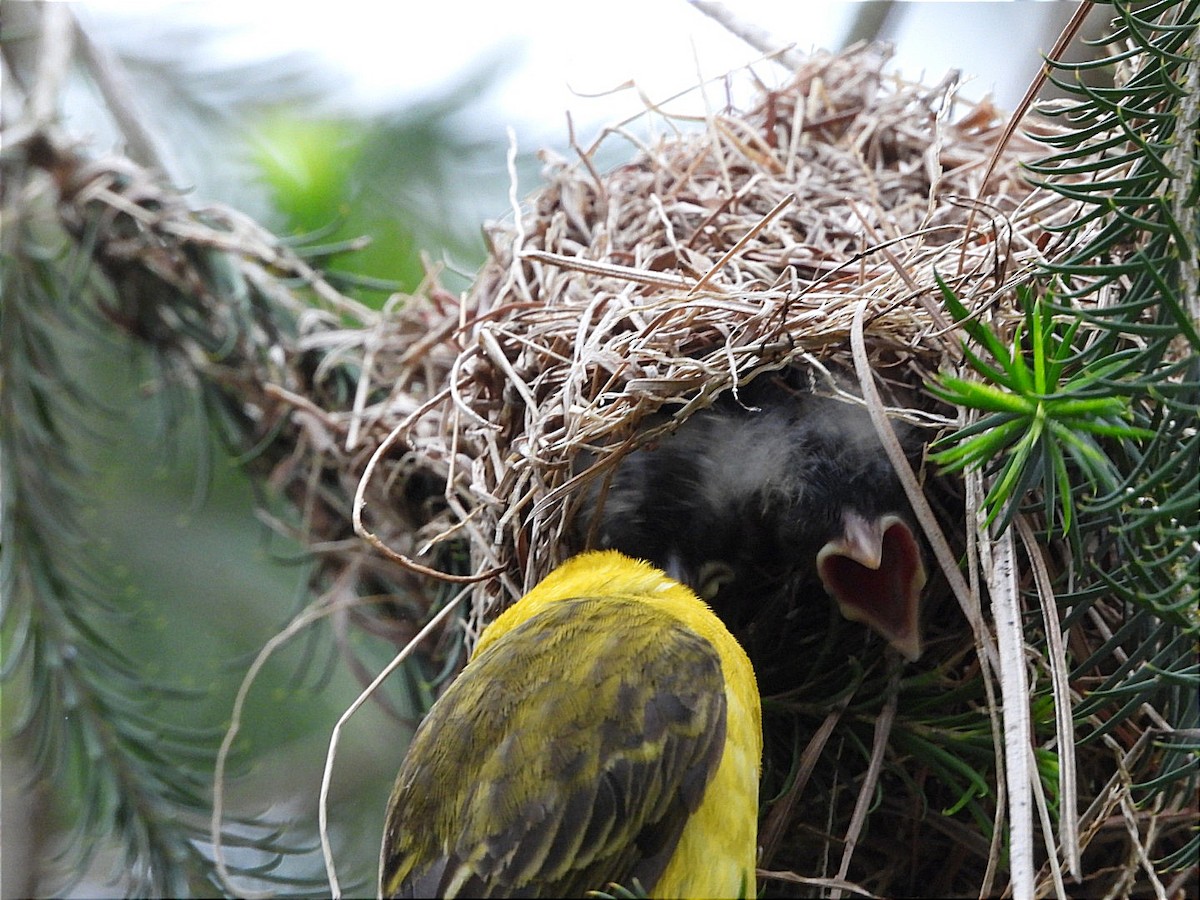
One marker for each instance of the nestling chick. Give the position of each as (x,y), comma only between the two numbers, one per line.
(759,507)
(606,730)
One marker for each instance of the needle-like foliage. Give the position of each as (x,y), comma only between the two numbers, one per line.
(1047,413)
(1087,410)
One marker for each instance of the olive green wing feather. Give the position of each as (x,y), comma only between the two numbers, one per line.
(569,754)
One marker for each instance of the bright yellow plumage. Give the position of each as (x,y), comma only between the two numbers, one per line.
(606,729)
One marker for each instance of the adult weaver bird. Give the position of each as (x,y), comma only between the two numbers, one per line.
(606,731)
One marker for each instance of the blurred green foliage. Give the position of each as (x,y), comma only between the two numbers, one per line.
(191,581)
(364,190)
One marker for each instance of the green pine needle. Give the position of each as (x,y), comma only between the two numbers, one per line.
(1047,412)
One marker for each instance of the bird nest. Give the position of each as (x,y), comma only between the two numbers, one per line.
(741,244)
(805,235)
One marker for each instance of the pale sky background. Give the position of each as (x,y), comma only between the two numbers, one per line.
(403,49)
(560,56)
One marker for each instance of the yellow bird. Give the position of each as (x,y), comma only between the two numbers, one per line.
(606,731)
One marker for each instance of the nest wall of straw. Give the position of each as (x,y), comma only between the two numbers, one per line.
(722,252)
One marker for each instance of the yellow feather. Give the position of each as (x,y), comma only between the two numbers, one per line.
(605,713)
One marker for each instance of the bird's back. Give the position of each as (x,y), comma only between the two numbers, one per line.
(607,729)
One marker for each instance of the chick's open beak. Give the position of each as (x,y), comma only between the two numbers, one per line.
(875,573)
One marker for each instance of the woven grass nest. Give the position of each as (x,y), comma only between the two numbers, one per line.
(734,247)
(804,235)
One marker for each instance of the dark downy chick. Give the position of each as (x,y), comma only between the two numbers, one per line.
(757,507)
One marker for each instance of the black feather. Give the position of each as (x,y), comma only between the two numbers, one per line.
(738,501)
